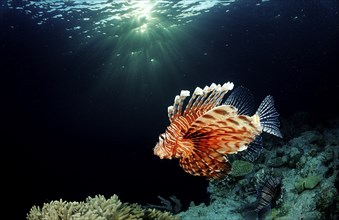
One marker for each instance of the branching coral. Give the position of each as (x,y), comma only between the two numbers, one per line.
(97,208)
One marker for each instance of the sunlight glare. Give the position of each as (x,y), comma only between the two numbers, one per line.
(142,9)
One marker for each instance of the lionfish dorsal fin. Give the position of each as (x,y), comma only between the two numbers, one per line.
(201,101)
(242,99)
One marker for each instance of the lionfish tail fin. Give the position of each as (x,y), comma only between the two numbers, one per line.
(242,99)
(269,117)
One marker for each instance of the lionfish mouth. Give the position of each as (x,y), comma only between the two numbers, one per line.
(159,148)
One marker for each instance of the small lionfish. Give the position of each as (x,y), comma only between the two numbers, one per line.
(207,130)
(269,192)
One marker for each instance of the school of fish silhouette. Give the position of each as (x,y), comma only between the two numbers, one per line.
(208,129)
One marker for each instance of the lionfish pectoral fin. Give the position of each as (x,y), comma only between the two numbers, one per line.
(222,140)
(207,163)
(268,117)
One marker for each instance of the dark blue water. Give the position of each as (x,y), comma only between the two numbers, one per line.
(83,108)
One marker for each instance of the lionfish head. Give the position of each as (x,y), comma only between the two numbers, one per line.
(162,149)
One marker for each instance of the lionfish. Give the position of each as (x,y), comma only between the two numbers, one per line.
(270,190)
(207,130)
(269,194)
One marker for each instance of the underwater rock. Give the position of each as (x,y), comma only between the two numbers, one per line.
(219,209)
(327,197)
(307,183)
(241,168)
(294,157)
(328,193)
(307,140)
(277,162)
(308,164)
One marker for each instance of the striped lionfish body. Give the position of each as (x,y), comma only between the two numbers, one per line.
(269,192)
(202,134)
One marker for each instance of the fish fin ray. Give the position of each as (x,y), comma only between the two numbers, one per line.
(225,140)
(253,151)
(203,100)
(242,99)
(269,117)
(206,162)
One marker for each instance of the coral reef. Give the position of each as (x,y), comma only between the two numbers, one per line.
(97,208)
(241,168)
(293,178)
(307,183)
(173,204)
(306,160)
